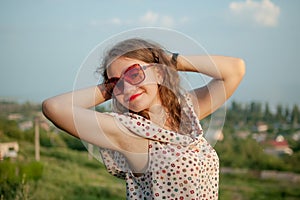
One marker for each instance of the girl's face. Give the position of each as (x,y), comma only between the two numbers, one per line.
(135,97)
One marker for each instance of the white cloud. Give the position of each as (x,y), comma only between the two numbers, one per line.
(115,21)
(112,21)
(150,18)
(167,21)
(264,12)
(154,19)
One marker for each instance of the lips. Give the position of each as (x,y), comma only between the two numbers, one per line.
(133,97)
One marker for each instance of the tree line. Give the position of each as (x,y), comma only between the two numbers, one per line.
(251,113)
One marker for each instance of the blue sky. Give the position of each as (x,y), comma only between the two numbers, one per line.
(43,43)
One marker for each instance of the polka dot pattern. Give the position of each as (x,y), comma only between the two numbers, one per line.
(180,166)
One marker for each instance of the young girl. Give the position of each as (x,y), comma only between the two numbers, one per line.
(152,138)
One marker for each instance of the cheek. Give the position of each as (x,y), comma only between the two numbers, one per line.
(152,78)
(152,89)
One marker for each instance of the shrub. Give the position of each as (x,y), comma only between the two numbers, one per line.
(14,175)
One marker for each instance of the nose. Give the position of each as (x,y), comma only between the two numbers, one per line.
(128,88)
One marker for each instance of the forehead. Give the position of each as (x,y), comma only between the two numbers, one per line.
(118,66)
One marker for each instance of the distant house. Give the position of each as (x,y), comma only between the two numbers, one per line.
(25,125)
(261,127)
(259,137)
(15,116)
(9,150)
(44,123)
(278,147)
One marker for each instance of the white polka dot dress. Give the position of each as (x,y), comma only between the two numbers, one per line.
(180,166)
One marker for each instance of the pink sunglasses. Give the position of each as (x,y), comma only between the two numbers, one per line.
(134,75)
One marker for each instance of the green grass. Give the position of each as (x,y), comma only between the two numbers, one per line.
(246,187)
(70,175)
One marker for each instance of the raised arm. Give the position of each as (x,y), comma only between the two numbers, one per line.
(226,74)
(60,109)
(70,112)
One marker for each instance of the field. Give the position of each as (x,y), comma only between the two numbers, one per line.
(69,174)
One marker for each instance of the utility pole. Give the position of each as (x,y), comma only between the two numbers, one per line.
(37,138)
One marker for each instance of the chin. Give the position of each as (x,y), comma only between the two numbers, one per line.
(135,109)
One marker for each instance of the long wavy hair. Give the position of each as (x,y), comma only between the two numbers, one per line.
(169,90)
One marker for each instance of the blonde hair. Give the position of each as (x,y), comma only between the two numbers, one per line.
(169,90)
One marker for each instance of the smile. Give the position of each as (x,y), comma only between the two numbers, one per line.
(133,97)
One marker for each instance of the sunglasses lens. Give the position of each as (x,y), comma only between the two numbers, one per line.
(119,87)
(134,74)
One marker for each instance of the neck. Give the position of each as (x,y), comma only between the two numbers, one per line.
(158,114)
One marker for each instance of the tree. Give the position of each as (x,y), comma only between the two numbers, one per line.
(295,115)
(268,116)
(233,116)
(254,112)
(279,113)
(287,116)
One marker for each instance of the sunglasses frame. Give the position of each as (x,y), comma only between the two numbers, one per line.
(115,81)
